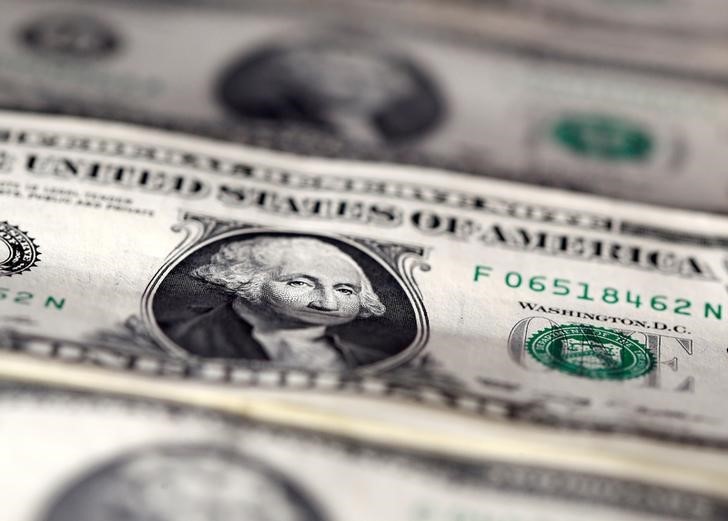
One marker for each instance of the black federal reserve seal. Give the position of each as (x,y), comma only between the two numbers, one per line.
(18,252)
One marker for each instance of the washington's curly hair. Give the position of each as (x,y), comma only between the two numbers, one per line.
(242,267)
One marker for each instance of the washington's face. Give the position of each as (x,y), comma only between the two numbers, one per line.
(196,488)
(321,291)
(349,79)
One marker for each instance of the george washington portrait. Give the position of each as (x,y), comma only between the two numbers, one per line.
(346,87)
(182,483)
(285,300)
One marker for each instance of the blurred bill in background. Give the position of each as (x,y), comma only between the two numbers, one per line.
(495,89)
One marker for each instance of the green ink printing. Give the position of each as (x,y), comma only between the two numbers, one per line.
(603,137)
(591,352)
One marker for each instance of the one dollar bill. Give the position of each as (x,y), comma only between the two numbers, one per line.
(492,92)
(91,457)
(159,254)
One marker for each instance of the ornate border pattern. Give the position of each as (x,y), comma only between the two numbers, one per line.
(400,260)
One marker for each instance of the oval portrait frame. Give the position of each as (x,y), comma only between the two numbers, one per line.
(86,478)
(401,274)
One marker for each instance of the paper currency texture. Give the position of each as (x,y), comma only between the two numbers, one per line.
(113,458)
(495,92)
(143,251)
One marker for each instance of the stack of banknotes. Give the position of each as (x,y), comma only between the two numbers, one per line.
(356,260)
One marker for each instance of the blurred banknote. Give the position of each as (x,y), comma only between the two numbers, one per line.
(91,457)
(499,89)
(145,252)
(681,20)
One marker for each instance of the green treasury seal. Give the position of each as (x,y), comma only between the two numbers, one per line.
(590,351)
(603,137)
